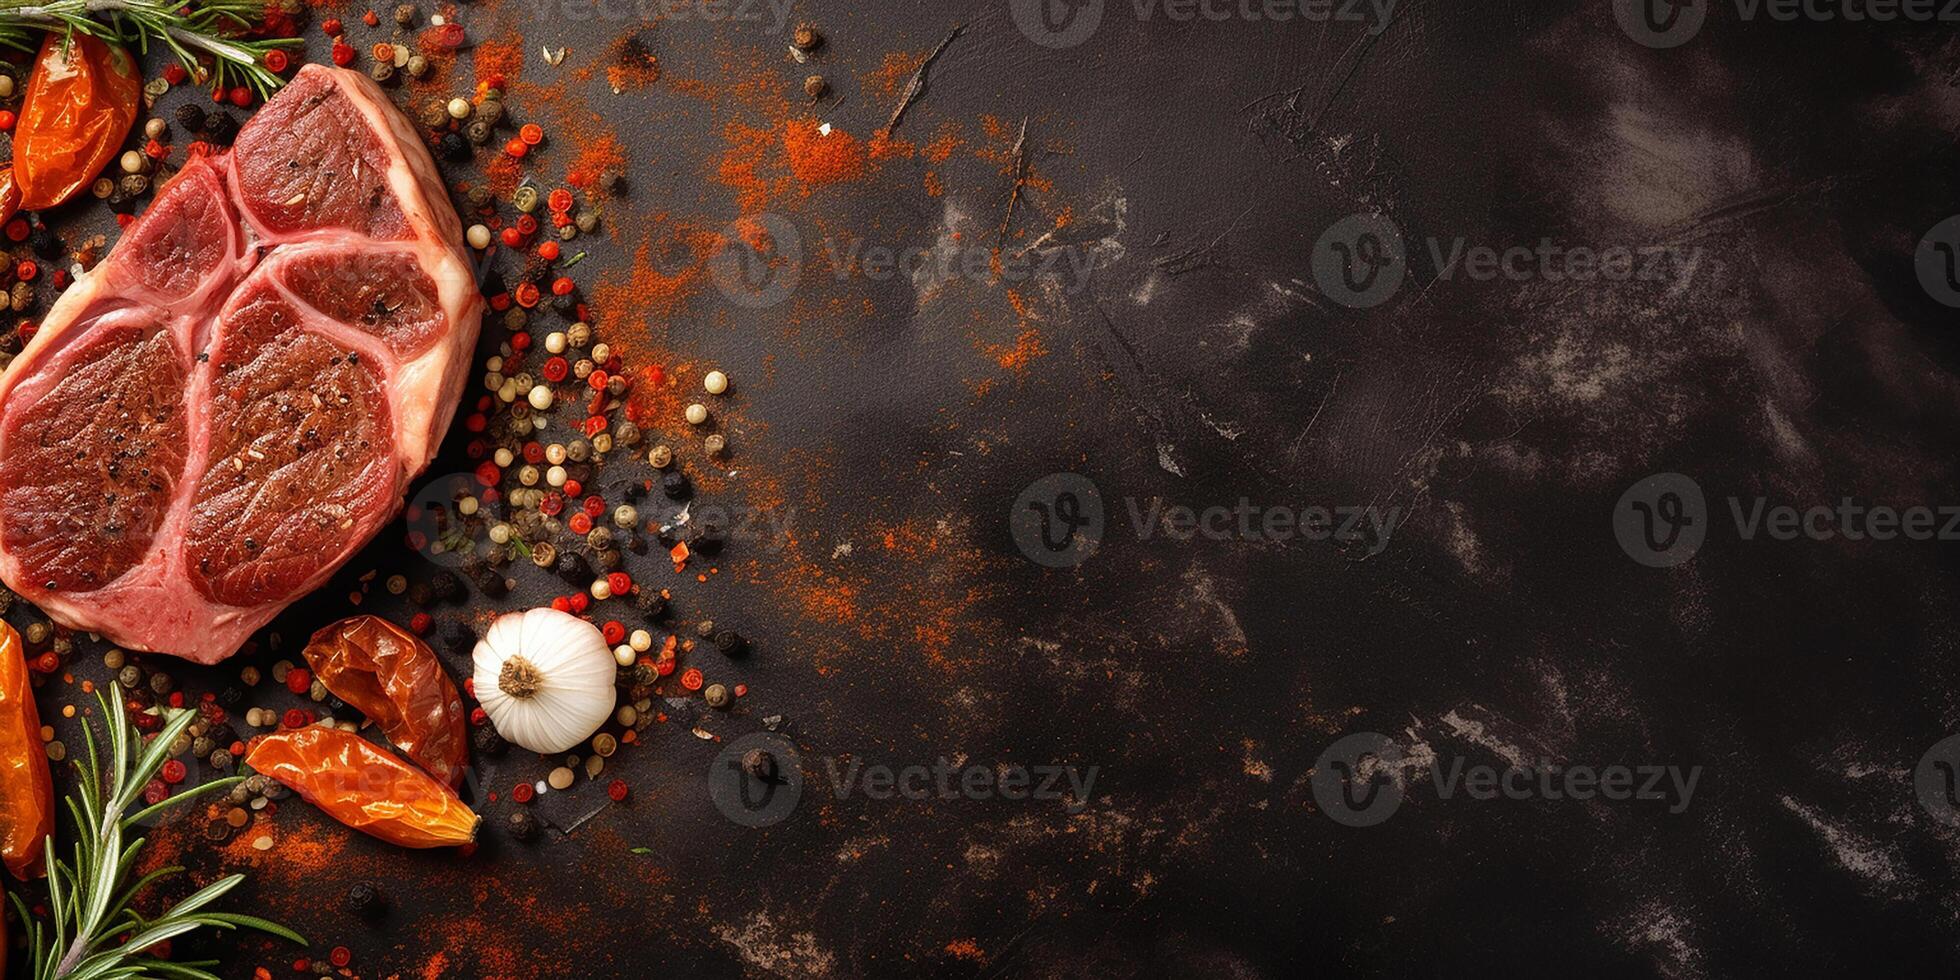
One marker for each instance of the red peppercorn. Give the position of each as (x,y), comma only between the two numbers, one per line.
(579,523)
(383,51)
(173,772)
(341,956)
(691,679)
(6,119)
(563,286)
(17,230)
(299,680)
(551,505)
(617,790)
(513,238)
(573,488)
(531,133)
(548,251)
(155,792)
(562,604)
(47,663)
(620,583)
(594,506)
(343,55)
(155,150)
(520,342)
(241,96)
(527,225)
(370,18)
(614,632)
(175,74)
(420,624)
(527,295)
(555,369)
(476,422)
(516,148)
(26,270)
(487,474)
(277,61)
(295,718)
(533,453)
(523,792)
(478,716)
(597,380)
(560,200)
(331,27)
(664,666)
(580,602)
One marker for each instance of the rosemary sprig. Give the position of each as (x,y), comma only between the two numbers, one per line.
(206,28)
(92,932)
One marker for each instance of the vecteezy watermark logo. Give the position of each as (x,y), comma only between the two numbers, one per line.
(1672,23)
(1362,259)
(1067,23)
(1937,261)
(760,261)
(1662,520)
(1057,23)
(1058,520)
(1936,780)
(1359,261)
(1361,780)
(1357,781)
(756,780)
(1661,23)
(944,780)
(773,15)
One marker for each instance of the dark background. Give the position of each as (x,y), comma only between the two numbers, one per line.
(1194,165)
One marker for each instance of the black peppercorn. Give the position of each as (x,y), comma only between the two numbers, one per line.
(45,243)
(488,742)
(366,900)
(456,149)
(566,304)
(190,115)
(760,764)
(221,128)
(574,569)
(445,588)
(675,486)
(730,642)
(491,583)
(652,604)
(231,696)
(708,538)
(221,760)
(523,826)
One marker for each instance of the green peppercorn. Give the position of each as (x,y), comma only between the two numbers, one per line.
(161,684)
(586,221)
(717,695)
(405,14)
(525,198)
(130,677)
(729,642)
(490,111)
(38,633)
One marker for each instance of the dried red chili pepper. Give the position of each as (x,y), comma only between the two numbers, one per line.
(365,787)
(394,678)
(26,790)
(81,100)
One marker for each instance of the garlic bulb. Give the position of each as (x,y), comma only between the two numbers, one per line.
(545,678)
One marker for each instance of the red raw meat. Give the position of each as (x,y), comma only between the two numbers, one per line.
(213,420)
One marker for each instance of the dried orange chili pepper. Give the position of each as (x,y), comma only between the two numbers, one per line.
(395,679)
(26,790)
(365,787)
(81,99)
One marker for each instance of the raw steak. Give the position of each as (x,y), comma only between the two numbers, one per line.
(217,416)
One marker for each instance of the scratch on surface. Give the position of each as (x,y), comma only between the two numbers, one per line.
(1864,858)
